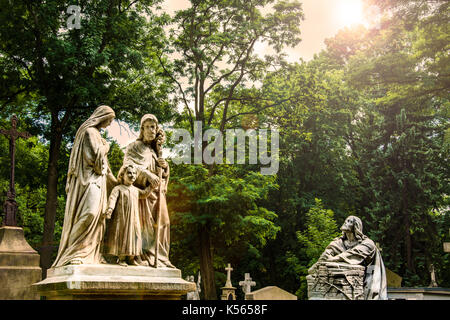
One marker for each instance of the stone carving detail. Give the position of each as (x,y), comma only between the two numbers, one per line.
(350,268)
(247,284)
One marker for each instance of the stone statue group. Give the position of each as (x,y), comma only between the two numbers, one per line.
(121,219)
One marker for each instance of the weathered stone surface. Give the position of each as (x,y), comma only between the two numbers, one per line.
(270,293)
(86,188)
(335,281)
(228,291)
(19,266)
(104,281)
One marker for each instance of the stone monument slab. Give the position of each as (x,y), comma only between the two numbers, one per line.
(270,293)
(19,266)
(105,281)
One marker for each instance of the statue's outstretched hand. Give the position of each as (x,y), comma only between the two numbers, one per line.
(153,179)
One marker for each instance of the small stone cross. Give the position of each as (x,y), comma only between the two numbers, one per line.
(228,283)
(10,206)
(247,283)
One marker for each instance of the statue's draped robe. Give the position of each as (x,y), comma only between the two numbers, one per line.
(123,235)
(84,225)
(144,158)
(364,253)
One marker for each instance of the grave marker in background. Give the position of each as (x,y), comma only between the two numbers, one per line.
(228,291)
(19,262)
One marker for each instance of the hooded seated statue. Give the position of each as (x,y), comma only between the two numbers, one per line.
(350,268)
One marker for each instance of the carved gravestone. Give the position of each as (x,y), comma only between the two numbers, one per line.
(228,291)
(19,262)
(334,281)
(247,283)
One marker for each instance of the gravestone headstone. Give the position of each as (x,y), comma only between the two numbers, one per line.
(19,262)
(247,284)
(228,291)
(270,293)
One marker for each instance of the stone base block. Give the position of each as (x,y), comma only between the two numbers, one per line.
(336,281)
(19,266)
(105,281)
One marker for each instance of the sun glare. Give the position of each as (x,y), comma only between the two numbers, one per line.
(350,12)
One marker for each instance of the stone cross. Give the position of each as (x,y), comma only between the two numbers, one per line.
(10,206)
(228,283)
(247,283)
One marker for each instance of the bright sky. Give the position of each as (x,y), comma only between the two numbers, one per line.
(323,18)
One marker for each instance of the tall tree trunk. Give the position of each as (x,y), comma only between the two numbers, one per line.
(408,240)
(408,244)
(206,263)
(52,197)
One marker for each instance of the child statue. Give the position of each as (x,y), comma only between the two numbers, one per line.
(123,236)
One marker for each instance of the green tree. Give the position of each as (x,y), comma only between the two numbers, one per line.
(315,161)
(397,138)
(321,230)
(216,72)
(228,203)
(404,70)
(60,74)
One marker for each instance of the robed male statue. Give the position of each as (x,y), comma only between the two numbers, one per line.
(145,154)
(351,267)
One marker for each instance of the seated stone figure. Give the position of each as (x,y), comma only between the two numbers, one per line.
(350,268)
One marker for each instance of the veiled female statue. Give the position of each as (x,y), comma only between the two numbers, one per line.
(86,188)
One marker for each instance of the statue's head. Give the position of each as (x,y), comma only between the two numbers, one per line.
(127,175)
(102,116)
(353,224)
(149,128)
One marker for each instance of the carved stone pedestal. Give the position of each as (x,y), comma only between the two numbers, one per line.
(336,281)
(19,266)
(108,282)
